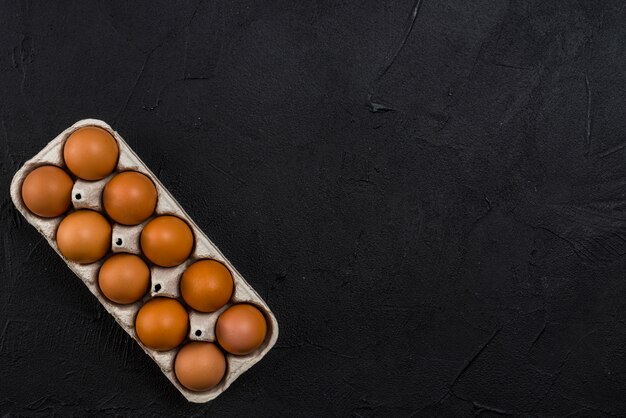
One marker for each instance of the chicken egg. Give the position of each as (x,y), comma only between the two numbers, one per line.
(167,241)
(129,198)
(124,278)
(206,285)
(162,324)
(47,191)
(200,366)
(91,153)
(241,329)
(84,236)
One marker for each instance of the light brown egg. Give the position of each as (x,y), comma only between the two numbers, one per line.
(124,278)
(47,191)
(91,153)
(206,285)
(84,236)
(167,241)
(162,324)
(241,329)
(200,366)
(129,198)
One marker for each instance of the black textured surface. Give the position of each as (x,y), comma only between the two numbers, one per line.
(430,196)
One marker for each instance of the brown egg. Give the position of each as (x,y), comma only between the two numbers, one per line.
(91,153)
(124,278)
(129,198)
(241,329)
(167,241)
(84,236)
(162,324)
(47,191)
(199,366)
(206,285)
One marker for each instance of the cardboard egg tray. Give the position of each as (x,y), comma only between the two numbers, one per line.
(164,281)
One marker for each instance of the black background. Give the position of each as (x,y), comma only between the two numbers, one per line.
(430,197)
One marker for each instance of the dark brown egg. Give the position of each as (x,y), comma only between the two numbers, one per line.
(91,153)
(124,278)
(84,236)
(206,285)
(162,324)
(129,198)
(199,366)
(241,329)
(47,191)
(167,241)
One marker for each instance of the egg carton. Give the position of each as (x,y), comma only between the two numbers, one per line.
(164,281)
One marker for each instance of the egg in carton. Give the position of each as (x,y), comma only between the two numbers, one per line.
(164,281)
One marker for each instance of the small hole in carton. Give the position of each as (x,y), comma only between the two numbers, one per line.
(198,333)
(118,242)
(78,196)
(157,287)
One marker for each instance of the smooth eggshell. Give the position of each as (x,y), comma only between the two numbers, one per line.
(167,241)
(84,236)
(162,324)
(124,278)
(129,198)
(91,153)
(47,191)
(206,285)
(241,329)
(199,366)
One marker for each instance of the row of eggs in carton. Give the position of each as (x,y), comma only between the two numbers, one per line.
(129,198)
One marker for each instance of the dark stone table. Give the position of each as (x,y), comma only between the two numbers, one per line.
(431,196)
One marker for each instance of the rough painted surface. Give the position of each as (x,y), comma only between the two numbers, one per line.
(437,186)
